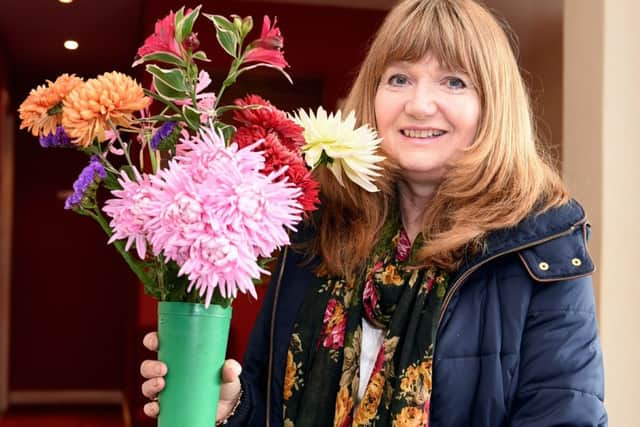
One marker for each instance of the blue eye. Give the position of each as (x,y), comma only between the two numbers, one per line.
(455,83)
(398,80)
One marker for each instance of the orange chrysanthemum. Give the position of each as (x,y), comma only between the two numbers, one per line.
(34,111)
(108,100)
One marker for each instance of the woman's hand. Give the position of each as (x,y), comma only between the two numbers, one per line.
(154,371)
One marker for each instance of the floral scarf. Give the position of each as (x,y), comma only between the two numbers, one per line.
(323,362)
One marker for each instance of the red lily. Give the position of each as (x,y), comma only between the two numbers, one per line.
(268,48)
(163,38)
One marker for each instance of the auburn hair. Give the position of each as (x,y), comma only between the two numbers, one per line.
(497,181)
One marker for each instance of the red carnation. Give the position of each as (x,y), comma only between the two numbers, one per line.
(300,175)
(271,119)
(278,155)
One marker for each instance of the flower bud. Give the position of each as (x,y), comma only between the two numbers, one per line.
(192,42)
(247,25)
(237,23)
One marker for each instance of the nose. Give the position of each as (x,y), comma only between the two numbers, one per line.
(422,102)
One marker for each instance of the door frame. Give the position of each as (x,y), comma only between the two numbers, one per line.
(6,222)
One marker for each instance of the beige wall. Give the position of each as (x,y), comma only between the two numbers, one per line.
(601,154)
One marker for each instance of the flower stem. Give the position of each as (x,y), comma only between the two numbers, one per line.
(231,76)
(122,144)
(154,159)
(135,266)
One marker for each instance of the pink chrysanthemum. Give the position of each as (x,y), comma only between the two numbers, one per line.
(214,213)
(198,153)
(177,212)
(256,206)
(221,261)
(130,211)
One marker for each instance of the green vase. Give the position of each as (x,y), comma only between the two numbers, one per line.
(193,344)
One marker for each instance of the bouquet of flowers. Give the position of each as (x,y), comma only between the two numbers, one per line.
(195,205)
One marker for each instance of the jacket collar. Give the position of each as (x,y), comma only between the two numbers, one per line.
(535,228)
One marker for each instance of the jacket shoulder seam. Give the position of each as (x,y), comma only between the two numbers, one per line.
(536,389)
(561,310)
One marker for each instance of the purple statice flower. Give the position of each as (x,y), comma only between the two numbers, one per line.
(90,175)
(59,138)
(161,134)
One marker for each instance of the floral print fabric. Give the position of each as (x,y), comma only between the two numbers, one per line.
(323,373)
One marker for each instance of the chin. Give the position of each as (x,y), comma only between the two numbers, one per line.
(420,175)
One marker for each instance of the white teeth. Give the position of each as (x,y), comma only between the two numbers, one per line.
(431,133)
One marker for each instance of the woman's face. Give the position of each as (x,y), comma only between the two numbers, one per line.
(425,114)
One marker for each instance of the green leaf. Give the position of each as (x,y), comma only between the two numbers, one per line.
(174,78)
(218,299)
(185,25)
(192,116)
(165,57)
(152,290)
(179,16)
(225,33)
(166,101)
(111,183)
(261,64)
(56,109)
(129,171)
(221,22)
(166,91)
(228,41)
(227,130)
(174,287)
(201,55)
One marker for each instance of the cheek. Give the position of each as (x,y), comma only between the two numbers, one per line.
(378,108)
(385,113)
(467,118)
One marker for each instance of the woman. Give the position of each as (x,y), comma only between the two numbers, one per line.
(458,295)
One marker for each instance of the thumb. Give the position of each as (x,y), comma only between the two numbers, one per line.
(231,371)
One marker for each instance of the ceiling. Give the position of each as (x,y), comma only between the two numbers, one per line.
(32,31)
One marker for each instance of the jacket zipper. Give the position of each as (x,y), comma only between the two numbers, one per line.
(272,337)
(458,283)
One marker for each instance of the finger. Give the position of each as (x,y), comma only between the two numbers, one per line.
(230,388)
(152,387)
(152,368)
(151,341)
(151,409)
(231,371)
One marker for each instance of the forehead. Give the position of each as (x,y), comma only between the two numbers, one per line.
(428,62)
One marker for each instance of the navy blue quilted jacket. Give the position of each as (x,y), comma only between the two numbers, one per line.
(517,342)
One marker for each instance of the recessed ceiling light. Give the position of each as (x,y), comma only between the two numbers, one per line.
(66,1)
(71,44)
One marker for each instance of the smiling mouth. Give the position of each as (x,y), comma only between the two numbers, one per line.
(425,134)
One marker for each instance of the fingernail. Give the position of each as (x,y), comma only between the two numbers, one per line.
(160,369)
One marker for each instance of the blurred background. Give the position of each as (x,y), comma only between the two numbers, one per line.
(72,316)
